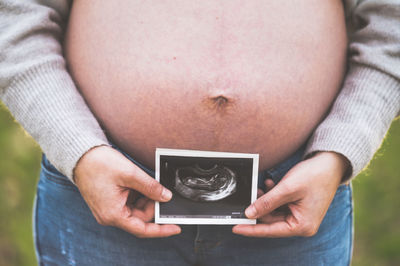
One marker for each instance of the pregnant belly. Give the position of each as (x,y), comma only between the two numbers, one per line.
(240,76)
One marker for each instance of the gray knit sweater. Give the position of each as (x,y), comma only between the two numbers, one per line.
(39,92)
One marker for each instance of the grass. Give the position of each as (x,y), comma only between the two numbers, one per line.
(376,197)
(377,206)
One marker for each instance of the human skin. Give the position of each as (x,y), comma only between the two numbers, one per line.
(235,76)
(109,183)
(306,190)
(240,76)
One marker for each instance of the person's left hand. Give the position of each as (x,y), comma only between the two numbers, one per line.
(306,192)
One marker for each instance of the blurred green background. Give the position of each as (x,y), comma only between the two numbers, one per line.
(376,197)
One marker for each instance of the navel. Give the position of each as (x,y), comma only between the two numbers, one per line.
(220,103)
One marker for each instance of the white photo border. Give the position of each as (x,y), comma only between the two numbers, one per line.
(213,154)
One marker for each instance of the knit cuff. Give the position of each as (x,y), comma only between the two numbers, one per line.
(359,118)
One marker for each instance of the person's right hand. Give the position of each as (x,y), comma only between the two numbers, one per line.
(109,183)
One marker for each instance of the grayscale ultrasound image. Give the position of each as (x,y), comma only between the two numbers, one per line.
(206,187)
(199,184)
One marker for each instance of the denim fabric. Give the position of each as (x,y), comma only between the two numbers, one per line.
(66,233)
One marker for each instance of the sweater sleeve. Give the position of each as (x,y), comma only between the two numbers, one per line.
(370,98)
(35,85)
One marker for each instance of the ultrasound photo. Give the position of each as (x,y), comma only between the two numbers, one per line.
(208,187)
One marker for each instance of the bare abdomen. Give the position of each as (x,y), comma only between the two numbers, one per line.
(240,76)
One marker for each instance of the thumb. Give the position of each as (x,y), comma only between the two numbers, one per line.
(140,181)
(273,199)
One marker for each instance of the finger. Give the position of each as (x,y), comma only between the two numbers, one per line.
(269,184)
(272,218)
(146,213)
(140,203)
(140,214)
(140,181)
(157,230)
(149,210)
(140,229)
(277,229)
(260,192)
(132,197)
(271,200)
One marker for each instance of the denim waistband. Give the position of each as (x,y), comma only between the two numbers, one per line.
(275,173)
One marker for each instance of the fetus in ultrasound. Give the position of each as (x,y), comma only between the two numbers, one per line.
(199,184)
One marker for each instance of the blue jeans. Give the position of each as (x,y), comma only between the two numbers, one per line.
(66,233)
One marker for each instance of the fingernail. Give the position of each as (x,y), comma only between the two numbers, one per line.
(178,230)
(166,194)
(236,228)
(251,212)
